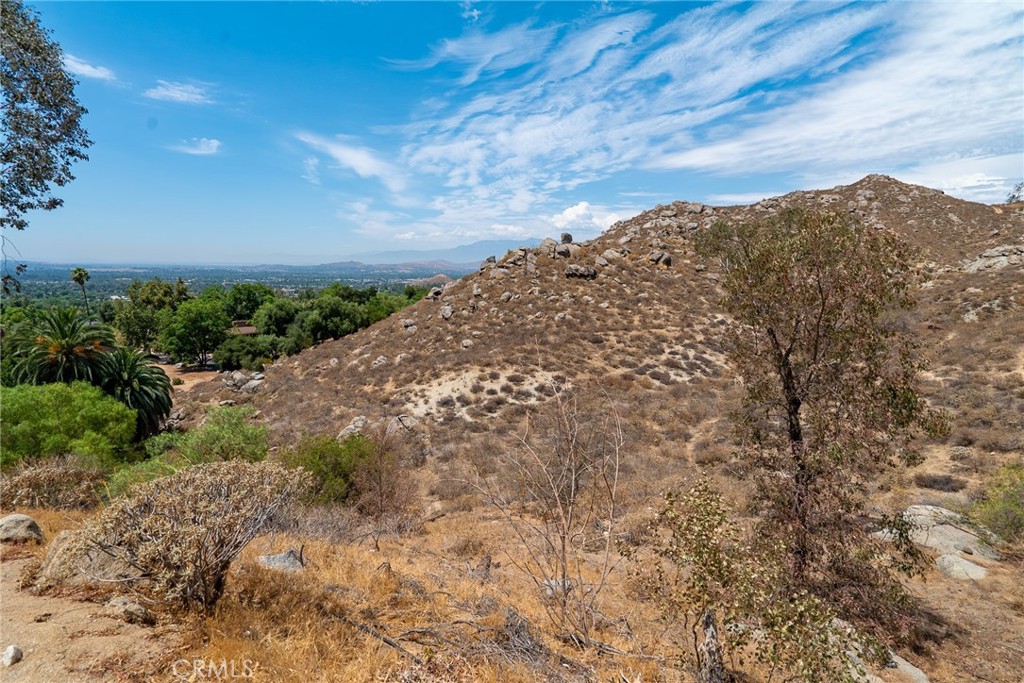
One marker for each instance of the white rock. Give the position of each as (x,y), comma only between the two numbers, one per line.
(12,655)
(957,567)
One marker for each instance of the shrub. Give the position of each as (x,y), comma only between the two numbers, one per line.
(226,434)
(180,534)
(250,353)
(939,482)
(57,484)
(55,419)
(330,462)
(127,476)
(1002,508)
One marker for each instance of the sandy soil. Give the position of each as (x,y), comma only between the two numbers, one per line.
(68,640)
(189,377)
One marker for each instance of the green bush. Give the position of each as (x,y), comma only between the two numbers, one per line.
(55,419)
(1002,509)
(247,352)
(226,434)
(331,462)
(127,476)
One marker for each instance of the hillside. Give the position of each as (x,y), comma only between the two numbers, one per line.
(483,344)
(631,318)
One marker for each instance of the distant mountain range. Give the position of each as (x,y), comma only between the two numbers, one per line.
(464,254)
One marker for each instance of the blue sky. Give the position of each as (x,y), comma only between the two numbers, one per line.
(306,132)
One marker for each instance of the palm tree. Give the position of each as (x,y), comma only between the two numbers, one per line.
(80,276)
(132,378)
(60,345)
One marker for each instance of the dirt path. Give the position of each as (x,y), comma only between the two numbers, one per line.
(189,378)
(68,641)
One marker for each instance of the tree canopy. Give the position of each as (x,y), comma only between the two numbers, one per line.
(831,389)
(41,133)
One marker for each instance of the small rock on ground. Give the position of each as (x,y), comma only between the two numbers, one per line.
(12,655)
(19,528)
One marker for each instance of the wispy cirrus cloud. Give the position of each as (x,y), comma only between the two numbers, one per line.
(183,93)
(362,160)
(538,116)
(203,147)
(80,67)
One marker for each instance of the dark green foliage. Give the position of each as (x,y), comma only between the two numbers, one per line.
(195,330)
(59,345)
(138,323)
(133,379)
(331,462)
(157,294)
(250,353)
(334,317)
(274,317)
(41,135)
(244,299)
(54,419)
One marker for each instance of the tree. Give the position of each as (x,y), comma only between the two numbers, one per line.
(191,333)
(80,276)
(157,294)
(56,419)
(831,395)
(139,324)
(41,132)
(60,345)
(133,379)
(243,300)
(274,316)
(250,353)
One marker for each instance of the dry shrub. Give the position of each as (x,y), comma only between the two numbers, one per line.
(52,483)
(940,482)
(180,533)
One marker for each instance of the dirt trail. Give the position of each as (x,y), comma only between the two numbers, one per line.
(65,640)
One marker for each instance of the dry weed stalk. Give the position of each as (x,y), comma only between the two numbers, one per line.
(561,503)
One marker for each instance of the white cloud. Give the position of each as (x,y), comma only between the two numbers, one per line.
(948,83)
(184,93)
(311,170)
(491,54)
(362,160)
(585,217)
(198,146)
(82,68)
(733,199)
(469,13)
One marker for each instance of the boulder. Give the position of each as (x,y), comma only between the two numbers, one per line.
(251,386)
(69,562)
(124,608)
(18,528)
(583,272)
(488,262)
(356,426)
(288,561)
(948,532)
(447,311)
(957,567)
(434,293)
(660,258)
(566,238)
(466,343)
(379,361)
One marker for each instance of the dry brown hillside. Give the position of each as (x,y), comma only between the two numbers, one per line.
(473,356)
(632,318)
